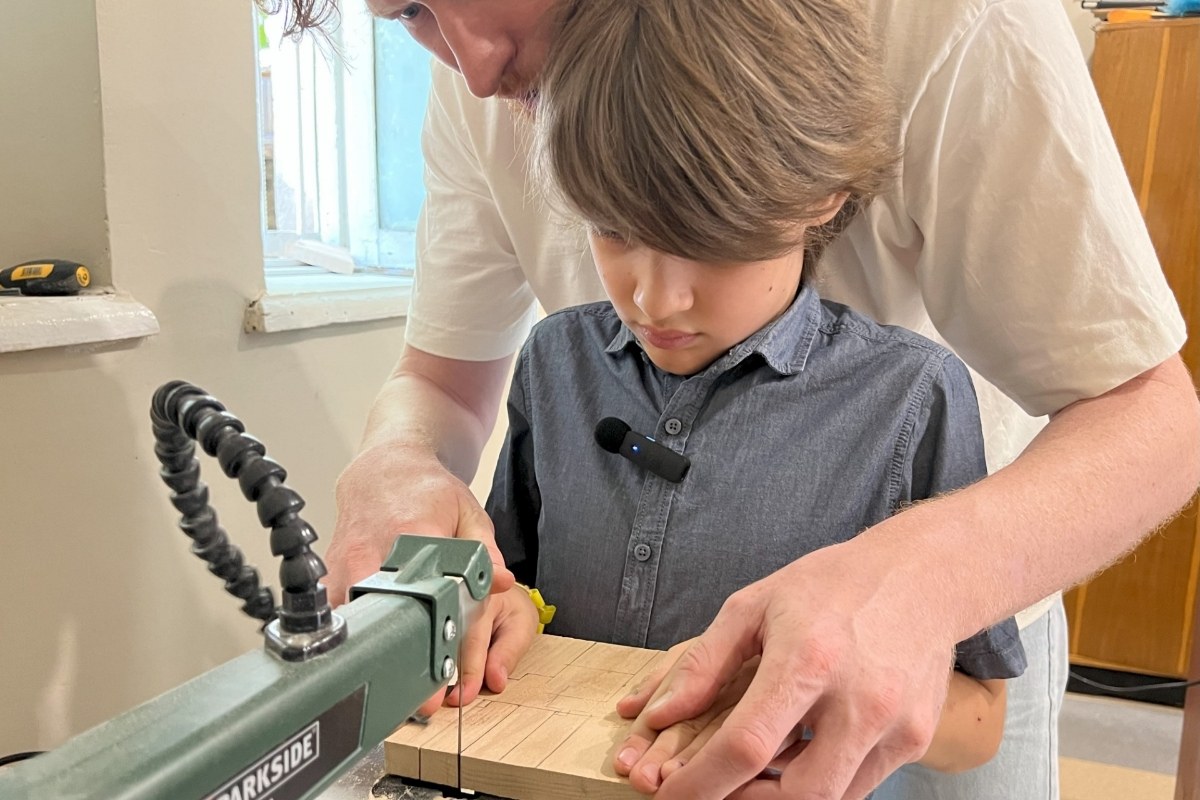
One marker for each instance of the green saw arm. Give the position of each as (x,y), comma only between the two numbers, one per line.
(262,728)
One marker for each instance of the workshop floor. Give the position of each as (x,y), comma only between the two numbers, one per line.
(1117,749)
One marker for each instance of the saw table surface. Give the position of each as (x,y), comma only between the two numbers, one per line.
(551,735)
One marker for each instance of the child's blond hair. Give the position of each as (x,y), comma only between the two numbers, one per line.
(714,129)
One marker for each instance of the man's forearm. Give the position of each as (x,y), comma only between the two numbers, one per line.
(1101,476)
(446,408)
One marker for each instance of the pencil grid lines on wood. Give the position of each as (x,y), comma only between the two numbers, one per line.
(551,735)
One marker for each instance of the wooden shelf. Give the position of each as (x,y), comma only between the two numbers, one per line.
(33,323)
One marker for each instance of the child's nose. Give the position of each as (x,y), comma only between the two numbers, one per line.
(663,291)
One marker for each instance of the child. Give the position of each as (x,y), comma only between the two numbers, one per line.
(670,127)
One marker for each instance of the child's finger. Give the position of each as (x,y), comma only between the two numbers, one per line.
(632,704)
(516,625)
(685,755)
(646,775)
(641,735)
(794,745)
(474,656)
(790,752)
(630,753)
(430,706)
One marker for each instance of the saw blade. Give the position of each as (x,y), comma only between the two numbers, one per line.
(458,681)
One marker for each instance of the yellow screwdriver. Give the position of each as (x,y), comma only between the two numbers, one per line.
(47,277)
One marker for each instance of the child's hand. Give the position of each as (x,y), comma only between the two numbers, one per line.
(492,648)
(647,756)
(495,644)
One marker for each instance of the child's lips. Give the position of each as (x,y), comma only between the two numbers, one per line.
(666,339)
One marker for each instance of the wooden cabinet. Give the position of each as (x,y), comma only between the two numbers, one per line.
(1137,616)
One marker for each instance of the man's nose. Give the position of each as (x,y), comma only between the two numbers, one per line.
(480,49)
(663,290)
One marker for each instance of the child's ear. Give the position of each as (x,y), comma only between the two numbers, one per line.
(828,210)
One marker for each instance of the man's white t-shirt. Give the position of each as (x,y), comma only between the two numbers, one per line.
(1012,236)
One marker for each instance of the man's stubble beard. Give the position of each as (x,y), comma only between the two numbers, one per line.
(524,105)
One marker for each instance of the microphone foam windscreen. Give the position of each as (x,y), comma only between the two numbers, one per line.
(610,432)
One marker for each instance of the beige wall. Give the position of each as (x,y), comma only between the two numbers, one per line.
(1083,22)
(50,149)
(101,604)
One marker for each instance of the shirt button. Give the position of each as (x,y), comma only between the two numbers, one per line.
(642,552)
(674,426)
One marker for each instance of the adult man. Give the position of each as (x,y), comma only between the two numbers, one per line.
(1012,236)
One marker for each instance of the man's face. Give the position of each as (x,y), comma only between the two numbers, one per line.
(499,46)
(687,314)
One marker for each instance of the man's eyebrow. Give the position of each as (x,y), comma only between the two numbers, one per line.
(371,8)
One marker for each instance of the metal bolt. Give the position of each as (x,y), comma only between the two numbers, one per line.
(450,630)
(448,668)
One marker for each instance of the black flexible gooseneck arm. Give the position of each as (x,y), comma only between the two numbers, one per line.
(182,413)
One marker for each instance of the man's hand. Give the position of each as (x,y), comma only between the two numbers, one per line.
(388,491)
(492,648)
(847,650)
(423,440)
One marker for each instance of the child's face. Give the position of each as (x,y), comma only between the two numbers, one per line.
(687,314)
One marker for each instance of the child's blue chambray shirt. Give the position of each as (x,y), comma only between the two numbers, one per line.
(818,426)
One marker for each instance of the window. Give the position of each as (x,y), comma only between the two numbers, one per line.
(341,145)
(401,93)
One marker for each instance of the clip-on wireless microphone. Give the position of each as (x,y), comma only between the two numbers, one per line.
(616,436)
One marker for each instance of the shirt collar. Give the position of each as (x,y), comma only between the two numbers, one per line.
(623,339)
(784,343)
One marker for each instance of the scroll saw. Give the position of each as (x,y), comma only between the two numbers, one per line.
(285,721)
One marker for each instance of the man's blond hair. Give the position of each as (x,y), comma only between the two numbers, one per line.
(714,129)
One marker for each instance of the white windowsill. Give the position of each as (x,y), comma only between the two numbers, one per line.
(299,297)
(33,323)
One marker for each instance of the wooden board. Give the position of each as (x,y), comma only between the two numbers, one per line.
(551,735)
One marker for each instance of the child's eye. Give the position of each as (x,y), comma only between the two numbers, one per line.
(409,13)
(611,235)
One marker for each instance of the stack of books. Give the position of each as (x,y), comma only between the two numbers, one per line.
(1135,9)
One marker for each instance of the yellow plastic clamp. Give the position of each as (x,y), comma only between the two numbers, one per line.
(545,612)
